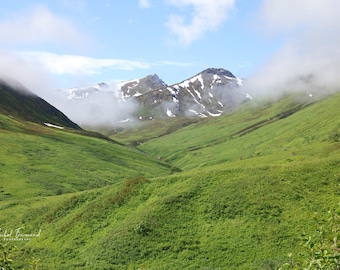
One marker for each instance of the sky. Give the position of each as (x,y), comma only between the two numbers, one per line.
(66,43)
(80,42)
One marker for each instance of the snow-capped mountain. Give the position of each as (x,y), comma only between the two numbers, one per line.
(81,93)
(211,92)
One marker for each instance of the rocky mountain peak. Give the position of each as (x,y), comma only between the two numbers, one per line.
(141,86)
(211,92)
(218,72)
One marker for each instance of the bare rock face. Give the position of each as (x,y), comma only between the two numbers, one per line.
(142,86)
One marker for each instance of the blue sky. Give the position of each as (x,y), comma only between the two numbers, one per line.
(82,42)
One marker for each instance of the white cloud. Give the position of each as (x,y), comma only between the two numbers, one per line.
(104,108)
(40,26)
(310,56)
(81,65)
(208,15)
(28,73)
(308,14)
(144,3)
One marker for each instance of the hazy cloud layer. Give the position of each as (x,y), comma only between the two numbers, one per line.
(312,15)
(103,108)
(81,65)
(310,58)
(40,26)
(207,16)
(34,70)
(29,73)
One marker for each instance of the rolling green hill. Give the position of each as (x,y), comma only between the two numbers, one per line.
(250,184)
(40,161)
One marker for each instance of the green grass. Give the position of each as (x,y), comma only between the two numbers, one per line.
(255,134)
(250,184)
(237,218)
(149,129)
(43,161)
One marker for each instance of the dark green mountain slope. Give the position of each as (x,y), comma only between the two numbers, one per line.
(21,103)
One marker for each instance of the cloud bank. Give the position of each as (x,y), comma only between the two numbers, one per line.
(29,73)
(41,26)
(104,108)
(310,57)
(207,16)
(81,65)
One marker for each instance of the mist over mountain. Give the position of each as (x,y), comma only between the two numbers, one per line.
(211,92)
(19,102)
(309,59)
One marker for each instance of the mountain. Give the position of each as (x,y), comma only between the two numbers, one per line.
(19,102)
(211,92)
(81,93)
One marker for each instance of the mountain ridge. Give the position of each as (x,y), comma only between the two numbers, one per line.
(211,92)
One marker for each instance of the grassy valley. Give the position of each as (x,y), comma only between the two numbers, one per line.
(281,132)
(233,192)
(43,161)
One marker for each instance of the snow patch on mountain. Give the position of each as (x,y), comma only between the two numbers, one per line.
(169,113)
(53,126)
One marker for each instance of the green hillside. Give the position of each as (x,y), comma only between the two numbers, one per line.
(147,130)
(293,129)
(250,185)
(21,103)
(41,161)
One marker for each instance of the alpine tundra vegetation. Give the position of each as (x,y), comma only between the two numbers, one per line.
(230,192)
